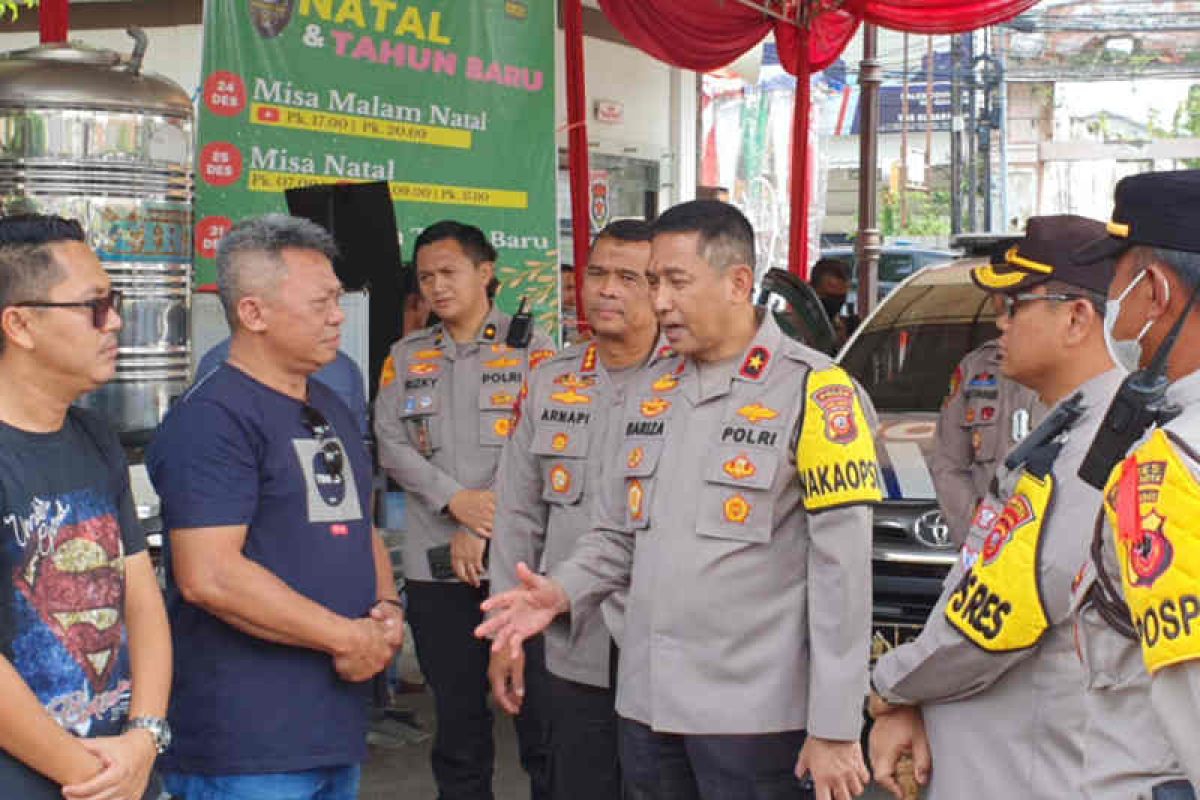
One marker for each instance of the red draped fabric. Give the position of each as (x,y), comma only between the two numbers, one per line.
(704,35)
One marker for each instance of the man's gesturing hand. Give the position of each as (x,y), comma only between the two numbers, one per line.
(899,732)
(507,676)
(837,768)
(518,614)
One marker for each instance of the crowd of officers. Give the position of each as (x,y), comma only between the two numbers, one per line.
(668,527)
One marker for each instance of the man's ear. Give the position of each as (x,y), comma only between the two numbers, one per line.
(250,313)
(488,269)
(1164,289)
(741,281)
(14,324)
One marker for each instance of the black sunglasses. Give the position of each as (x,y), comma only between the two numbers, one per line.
(320,429)
(100,306)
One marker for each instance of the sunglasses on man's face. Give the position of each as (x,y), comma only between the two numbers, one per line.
(320,429)
(100,306)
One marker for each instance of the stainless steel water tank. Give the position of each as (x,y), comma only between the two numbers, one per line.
(86,134)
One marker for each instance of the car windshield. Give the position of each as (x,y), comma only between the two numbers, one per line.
(907,350)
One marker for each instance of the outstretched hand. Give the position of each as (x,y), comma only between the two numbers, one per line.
(522,613)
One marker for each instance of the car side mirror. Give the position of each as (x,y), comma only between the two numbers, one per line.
(804,318)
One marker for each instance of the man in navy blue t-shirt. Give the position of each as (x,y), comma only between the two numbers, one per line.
(280,593)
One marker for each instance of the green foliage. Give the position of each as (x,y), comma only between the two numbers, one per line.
(928,214)
(12,8)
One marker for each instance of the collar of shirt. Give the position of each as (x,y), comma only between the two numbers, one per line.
(753,366)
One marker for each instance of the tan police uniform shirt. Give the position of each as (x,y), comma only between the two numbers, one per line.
(1009,724)
(746,613)
(443,412)
(569,427)
(984,415)
(1140,731)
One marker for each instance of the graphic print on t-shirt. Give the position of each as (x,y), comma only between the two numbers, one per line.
(68,641)
(332,496)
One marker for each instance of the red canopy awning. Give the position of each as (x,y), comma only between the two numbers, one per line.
(707,34)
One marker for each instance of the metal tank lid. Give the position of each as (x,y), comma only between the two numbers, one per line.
(75,75)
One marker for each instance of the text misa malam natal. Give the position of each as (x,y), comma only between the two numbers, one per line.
(350,102)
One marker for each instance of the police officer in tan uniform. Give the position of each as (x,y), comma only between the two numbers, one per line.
(993,679)
(445,408)
(740,523)
(1138,605)
(984,416)
(549,472)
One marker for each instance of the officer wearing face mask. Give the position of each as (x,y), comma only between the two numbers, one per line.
(830,281)
(1138,599)
(984,415)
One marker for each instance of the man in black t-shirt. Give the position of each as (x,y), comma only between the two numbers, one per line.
(85,654)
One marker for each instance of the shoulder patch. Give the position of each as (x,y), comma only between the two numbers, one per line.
(387,373)
(835,452)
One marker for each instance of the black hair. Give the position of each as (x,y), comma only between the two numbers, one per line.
(28,271)
(726,236)
(829,267)
(626,230)
(469,238)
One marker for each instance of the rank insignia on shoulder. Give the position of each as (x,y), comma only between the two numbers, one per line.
(571,398)
(755,363)
(560,442)
(757,412)
(737,509)
(501,363)
(427,354)
(538,356)
(740,467)
(666,383)
(634,459)
(422,369)
(560,479)
(387,373)
(655,407)
(589,359)
(489,331)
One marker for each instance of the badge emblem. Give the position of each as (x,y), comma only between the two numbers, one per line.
(570,380)
(571,398)
(559,442)
(666,383)
(987,413)
(427,354)
(655,407)
(757,412)
(501,363)
(637,500)
(502,427)
(634,460)
(740,468)
(970,415)
(422,369)
(503,399)
(1017,513)
(538,356)
(837,404)
(737,509)
(755,363)
(1149,550)
(560,479)
(489,332)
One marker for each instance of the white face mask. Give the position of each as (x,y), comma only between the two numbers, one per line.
(1127,353)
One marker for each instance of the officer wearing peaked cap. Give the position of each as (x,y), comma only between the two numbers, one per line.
(740,523)
(1138,600)
(993,681)
(444,410)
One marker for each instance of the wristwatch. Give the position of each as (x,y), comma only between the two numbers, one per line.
(158,727)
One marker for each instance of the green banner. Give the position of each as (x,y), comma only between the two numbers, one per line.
(452,103)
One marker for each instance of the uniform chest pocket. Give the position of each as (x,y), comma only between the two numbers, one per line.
(422,423)
(735,502)
(496,401)
(562,456)
(639,461)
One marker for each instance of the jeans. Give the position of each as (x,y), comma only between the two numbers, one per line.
(328,783)
(668,766)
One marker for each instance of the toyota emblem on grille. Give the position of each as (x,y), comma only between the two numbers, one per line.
(931,530)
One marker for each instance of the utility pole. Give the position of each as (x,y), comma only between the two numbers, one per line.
(956,137)
(1002,72)
(903,188)
(870,76)
(972,138)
